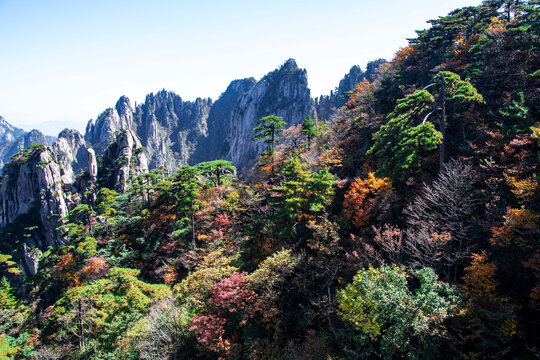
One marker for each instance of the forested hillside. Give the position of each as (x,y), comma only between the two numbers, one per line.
(406,226)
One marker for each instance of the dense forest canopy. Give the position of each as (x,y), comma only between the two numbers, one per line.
(352,237)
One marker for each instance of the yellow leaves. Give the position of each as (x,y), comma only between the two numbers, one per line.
(508,328)
(171,276)
(202,237)
(522,189)
(5,260)
(330,158)
(480,283)
(501,236)
(5,348)
(362,196)
(273,269)
(94,268)
(231,201)
(536,133)
(516,222)
(521,218)
(404,52)
(362,95)
(497,27)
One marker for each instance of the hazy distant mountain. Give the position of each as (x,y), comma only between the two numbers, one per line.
(12,139)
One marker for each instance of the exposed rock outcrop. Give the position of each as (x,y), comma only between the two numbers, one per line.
(123,160)
(212,147)
(103,131)
(328,104)
(176,132)
(12,140)
(92,164)
(283,92)
(8,132)
(32,182)
(170,128)
(71,154)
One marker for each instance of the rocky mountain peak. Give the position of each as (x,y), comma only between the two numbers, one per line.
(290,64)
(123,106)
(283,92)
(32,184)
(218,123)
(108,123)
(350,80)
(70,150)
(8,132)
(123,160)
(328,104)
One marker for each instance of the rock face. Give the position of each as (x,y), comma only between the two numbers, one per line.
(176,132)
(328,104)
(101,132)
(32,182)
(212,147)
(8,133)
(71,154)
(164,131)
(123,160)
(171,128)
(92,164)
(283,92)
(13,139)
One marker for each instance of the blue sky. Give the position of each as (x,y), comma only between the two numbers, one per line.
(63,62)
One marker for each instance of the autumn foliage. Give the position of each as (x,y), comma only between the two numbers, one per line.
(365,198)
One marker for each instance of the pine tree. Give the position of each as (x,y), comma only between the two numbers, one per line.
(309,128)
(7,299)
(270,127)
(407,134)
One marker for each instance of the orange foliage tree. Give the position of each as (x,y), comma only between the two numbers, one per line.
(479,281)
(365,197)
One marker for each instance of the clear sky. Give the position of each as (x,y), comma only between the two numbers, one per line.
(62,62)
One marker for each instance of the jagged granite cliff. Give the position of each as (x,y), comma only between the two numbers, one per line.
(101,132)
(41,185)
(32,183)
(283,92)
(175,132)
(212,147)
(13,139)
(168,127)
(8,132)
(328,104)
(123,160)
(71,153)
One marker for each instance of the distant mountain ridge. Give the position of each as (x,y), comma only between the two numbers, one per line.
(13,139)
(175,132)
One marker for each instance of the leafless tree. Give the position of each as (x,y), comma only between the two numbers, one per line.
(80,321)
(440,219)
(427,249)
(48,353)
(164,331)
(389,240)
